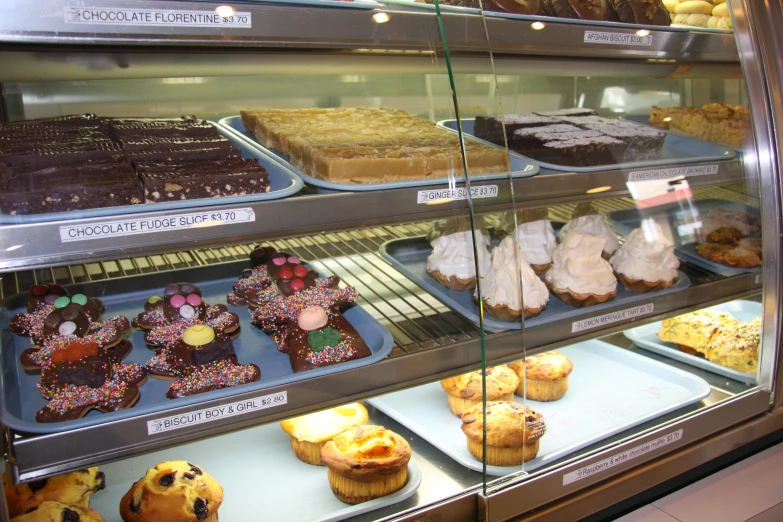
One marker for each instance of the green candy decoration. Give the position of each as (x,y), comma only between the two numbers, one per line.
(62,302)
(318,341)
(79,299)
(154,299)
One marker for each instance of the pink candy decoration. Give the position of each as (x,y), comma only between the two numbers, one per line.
(177,300)
(295,260)
(278,261)
(194,300)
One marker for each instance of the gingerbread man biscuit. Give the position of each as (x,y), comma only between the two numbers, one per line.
(34,324)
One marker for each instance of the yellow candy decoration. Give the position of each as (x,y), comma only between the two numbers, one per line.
(198,335)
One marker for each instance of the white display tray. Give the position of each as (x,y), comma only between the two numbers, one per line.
(261,479)
(610,390)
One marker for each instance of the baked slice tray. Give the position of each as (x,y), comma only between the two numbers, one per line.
(242,462)
(677,149)
(409,256)
(646,337)
(674,216)
(521,167)
(610,390)
(283,182)
(20,399)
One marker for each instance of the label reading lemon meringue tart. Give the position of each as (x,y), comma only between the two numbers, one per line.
(614,317)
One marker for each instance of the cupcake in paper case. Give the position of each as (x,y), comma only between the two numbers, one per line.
(465,391)
(174,491)
(50,511)
(452,261)
(646,261)
(580,276)
(513,432)
(70,489)
(585,218)
(366,462)
(310,433)
(500,289)
(543,377)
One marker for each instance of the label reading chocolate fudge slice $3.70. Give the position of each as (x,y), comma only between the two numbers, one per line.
(152,225)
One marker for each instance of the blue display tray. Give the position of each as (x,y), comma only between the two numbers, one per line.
(283,182)
(20,399)
(609,391)
(677,149)
(532,18)
(261,448)
(673,215)
(409,256)
(646,337)
(521,167)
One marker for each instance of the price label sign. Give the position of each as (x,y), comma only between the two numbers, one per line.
(603,37)
(149,225)
(155,17)
(184,420)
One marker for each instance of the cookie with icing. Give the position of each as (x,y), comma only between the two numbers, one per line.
(80,377)
(180,302)
(216,316)
(108,336)
(200,359)
(42,295)
(46,319)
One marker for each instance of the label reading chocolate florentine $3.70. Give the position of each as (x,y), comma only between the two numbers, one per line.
(228,18)
(185,420)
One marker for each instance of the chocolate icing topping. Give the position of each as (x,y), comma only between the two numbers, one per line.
(298,347)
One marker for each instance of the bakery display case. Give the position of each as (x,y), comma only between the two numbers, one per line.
(534,245)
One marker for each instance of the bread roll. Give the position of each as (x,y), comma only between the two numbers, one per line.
(721,10)
(694,7)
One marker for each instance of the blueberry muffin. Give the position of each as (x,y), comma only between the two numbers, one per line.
(543,377)
(465,390)
(175,491)
(366,462)
(310,432)
(56,512)
(70,489)
(513,432)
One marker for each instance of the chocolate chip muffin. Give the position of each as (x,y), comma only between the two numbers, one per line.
(465,390)
(175,491)
(513,432)
(546,375)
(71,489)
(56,512)
(366,462)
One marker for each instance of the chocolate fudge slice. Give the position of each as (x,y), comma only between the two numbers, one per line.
(72,120)
(584,152)
(39,155)
(183,155)
(181,143)
(64,189)
(490,127)
(642,143)
(124,129)
(165,181)
(575,111)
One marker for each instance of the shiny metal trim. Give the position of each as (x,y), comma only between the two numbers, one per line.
(321,28)
(301,214)
(504,501)
(651,474)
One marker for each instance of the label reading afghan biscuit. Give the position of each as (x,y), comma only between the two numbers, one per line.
(602,37)
(437,196)
(185,420)
(614,317)
(620,458)
(148,225)
(156,17)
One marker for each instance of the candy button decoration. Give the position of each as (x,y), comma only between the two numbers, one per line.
(198,335)
(294,260)
(67,328)
(61,302)
(286,273)
(187,311)
(278,260)
(187,288)
(300,271)
(312,318)
(40,290)
(50,299)
(323,339)
(297,284)
(193,300)
(79,299)
(177,300)
(154,299)
(70,313)
(171,289)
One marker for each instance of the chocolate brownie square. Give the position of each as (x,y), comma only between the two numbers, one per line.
(642,143)
(575,111)
(585,151)
(490,128)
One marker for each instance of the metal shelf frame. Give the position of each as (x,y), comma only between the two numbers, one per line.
(39,245)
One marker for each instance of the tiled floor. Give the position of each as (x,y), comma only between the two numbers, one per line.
(751,490)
